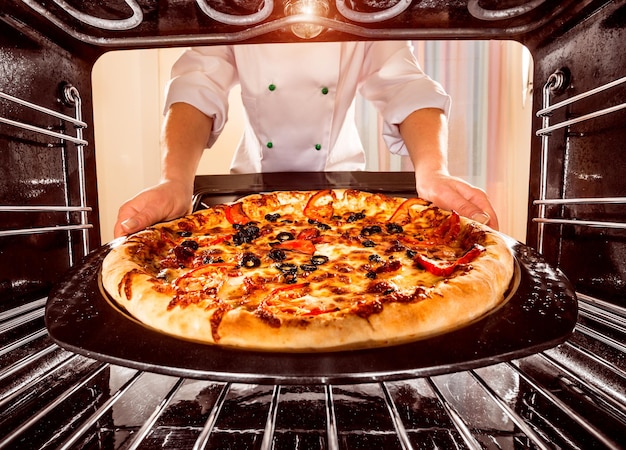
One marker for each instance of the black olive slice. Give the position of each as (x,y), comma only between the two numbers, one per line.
(319,259)
(250,261)
(285,236)
(368,231)
(353,217)
(375,258)
(272,217)
(287,268)
(277,254)
(394,228)
(193,245)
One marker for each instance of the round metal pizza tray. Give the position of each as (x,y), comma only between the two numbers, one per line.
(540,312)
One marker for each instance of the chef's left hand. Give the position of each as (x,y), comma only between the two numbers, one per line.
(452,193)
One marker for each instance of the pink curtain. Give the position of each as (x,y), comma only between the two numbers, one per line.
(489,121)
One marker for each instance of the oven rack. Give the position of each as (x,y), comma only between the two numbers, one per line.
(71,97)
(570,396)
(556,83)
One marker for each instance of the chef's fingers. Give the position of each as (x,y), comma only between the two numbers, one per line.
(453,193)
(474,204)
(129,221)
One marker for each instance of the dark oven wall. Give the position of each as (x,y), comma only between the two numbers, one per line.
(43,46)
(39,185)
(585,160)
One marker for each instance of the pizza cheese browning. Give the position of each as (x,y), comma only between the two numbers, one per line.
(310,271)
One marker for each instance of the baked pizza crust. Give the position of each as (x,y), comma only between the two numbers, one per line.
(455,301)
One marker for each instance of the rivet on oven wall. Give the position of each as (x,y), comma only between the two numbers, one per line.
(559,81)
(68,94)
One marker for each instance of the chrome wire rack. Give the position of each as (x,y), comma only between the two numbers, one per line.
(571,396)
(58,140)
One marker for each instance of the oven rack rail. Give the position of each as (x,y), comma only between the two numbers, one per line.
(567,397)
(72,98)
(557,82)
(261,23)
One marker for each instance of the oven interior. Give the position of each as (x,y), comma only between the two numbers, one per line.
(571,396)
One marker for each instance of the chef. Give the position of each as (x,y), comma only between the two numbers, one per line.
(299,110)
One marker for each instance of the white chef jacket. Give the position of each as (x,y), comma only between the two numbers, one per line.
(298,99)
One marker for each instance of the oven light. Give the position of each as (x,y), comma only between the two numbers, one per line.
(311,8)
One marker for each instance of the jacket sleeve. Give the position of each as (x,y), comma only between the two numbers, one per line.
(203,78)
(393,81)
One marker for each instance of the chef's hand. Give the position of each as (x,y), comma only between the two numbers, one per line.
(165,201)
(452,193)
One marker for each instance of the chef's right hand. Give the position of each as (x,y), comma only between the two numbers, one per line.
(165,201)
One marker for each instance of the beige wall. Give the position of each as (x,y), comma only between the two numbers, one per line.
(128,105)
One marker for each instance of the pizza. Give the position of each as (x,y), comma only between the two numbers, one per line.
(303,271)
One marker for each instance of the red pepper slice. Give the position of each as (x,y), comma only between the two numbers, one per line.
(317,210)
(235,214)
(309,234)
(298,245)
(318,311)
(217,239)
(449,228)
(289,289)
(446,268)
(401,215)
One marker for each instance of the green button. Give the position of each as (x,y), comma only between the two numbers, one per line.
(272,87)
(324,90)
(318,146)
(269,144)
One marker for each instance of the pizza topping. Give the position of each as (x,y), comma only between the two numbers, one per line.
(393,228)
(373,229)
(272,217)
(311,234)
(276,300)
(395,247)
(353,217)
(320,225)
(320,206)
(285,236)
(277,254)
(209,258)
(318,260)
(246,233)
(297,245)
(250,260)
(183,255)
(193,245)
(450,228)
(401,215)
(388,266)
(447,268)
(235,214)
(287,268)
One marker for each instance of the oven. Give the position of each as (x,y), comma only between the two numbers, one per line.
(570,395)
